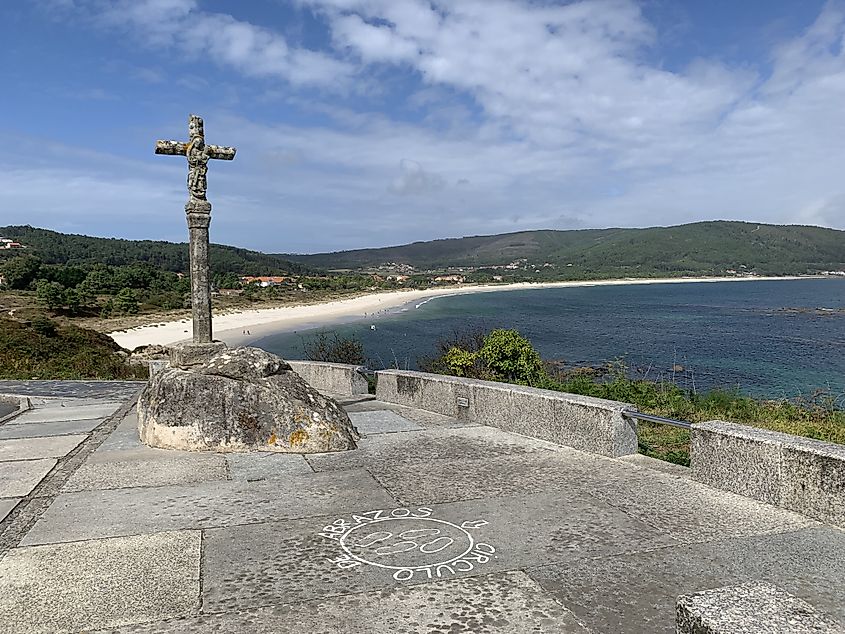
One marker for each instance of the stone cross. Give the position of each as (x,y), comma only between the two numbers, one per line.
(198,210)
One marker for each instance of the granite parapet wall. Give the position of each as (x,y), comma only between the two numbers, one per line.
(339,379)
(798,474)
(581,422)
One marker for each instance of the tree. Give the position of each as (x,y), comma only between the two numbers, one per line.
(125,302)
(510,357)
(51,294)
(21,271)
(100,280)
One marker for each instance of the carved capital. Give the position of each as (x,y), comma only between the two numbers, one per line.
(198,221)
(198,214)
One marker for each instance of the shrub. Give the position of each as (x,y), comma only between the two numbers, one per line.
(335,349)
(510,357)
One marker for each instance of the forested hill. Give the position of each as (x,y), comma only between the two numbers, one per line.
(708,248)
(52,247)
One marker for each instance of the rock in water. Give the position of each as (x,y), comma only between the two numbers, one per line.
(239,400)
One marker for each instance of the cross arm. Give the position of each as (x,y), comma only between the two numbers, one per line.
(179,148)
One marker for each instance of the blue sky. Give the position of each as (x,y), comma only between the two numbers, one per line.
(372,122)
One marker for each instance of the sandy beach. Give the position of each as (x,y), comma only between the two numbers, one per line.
(240,327)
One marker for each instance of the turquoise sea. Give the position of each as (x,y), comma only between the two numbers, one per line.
(770,338)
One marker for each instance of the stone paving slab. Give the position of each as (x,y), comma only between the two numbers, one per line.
(99,583)
(508,603)
(690,511)
(125,436)
(114,512)
(421,417)
(18,478)
(636,592)
(63,428)
(381,422)
(34,448)
(266,465)
(678,506)
(145,467)
(66,413)
(265,563)
(462,443)
(6,507)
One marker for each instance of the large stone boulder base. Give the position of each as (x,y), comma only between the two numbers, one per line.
(241,399)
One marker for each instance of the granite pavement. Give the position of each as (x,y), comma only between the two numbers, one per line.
(431,525)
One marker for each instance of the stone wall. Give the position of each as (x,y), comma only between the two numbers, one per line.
(799,474)
(589,424)
(336,379)
(20,403)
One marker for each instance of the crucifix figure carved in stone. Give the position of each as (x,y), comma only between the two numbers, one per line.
(198,211)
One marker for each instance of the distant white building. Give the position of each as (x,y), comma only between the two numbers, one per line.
(8,243)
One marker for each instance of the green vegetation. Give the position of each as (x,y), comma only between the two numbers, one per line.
(44,349)
(704,248)
(505,355)
(335,349)
(52,247)
(95,288)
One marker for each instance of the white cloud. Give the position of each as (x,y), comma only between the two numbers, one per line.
(531,116)
(182,26)
(415,180)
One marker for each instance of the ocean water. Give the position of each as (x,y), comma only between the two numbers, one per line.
(769,338)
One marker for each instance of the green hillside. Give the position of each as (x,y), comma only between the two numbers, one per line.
(52,247)
(699,248)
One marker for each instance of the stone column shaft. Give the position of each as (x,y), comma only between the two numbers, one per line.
(199,218)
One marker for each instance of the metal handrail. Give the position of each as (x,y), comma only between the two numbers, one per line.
(656,419)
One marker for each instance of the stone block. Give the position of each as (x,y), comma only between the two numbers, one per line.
(186,355)
(289,561)
(333,378)
(813,480)
(581,422)
(115,512)
(11,406)
(61,428)
(57,413)
(738,459)
(6,506)
(751,607)
(636,592)
(798,474)
(265,465)
(492,405)
(96,584)
(33,448)
(19,478)
(507,603)
(144,467)
(595,425)
(381,422)
(387,387)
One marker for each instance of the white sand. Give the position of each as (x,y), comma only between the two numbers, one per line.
(232,327)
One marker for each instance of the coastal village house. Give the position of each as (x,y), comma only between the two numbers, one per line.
(264,281)
(8,243)
(451,279)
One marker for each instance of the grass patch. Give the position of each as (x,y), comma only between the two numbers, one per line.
(44,349)
(816,417)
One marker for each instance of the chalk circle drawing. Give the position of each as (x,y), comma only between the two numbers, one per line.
(408,542)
